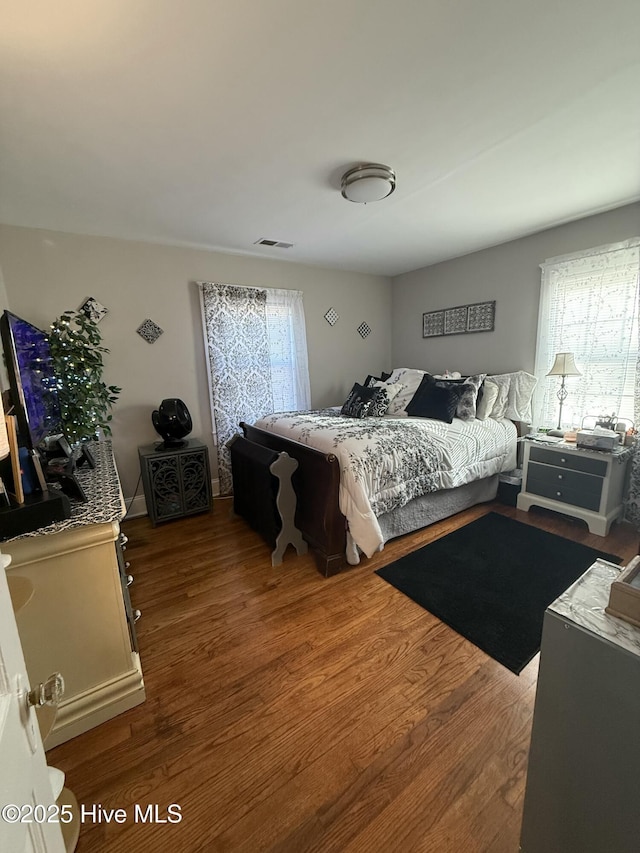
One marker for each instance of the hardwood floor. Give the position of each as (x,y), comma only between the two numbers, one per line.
(288,712)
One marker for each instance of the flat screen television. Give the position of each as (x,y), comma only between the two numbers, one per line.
(32,378)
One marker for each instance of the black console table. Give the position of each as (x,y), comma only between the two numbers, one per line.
(176,480)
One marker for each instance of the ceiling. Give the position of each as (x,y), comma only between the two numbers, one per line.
(215,123)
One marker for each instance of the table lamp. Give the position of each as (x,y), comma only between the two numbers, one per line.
(564,366)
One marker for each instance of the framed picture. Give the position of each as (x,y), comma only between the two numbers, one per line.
(477,317)
(94,310)
(433,324)
(481,317)
(455,320)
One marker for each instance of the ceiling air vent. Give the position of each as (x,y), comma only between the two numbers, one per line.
(279,244)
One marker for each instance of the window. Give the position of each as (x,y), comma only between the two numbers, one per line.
(256,359)
(589,306)
(287,351)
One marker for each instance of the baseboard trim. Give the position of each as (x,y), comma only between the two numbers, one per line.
(138,506)
(93,707)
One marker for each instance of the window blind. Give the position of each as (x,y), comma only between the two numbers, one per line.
(589,306)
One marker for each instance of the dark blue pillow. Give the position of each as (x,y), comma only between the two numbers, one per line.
(435,399)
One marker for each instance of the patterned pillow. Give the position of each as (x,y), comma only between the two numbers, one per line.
(386,393)
(410,378)
(359,401)
(466,410)
(470,396)
(372,380)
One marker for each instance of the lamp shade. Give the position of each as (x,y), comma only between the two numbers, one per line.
(368,182)
(564,365)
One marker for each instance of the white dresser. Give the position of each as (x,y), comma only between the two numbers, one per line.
(586,484)
(80,621)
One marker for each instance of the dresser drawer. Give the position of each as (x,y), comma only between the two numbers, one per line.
(564,494)
(549,475)
(572,461)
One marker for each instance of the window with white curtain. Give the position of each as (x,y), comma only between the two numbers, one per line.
(287,350)
(589,306)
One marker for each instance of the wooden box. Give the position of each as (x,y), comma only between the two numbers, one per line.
(624,595)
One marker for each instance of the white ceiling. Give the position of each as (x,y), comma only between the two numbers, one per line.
(215,123)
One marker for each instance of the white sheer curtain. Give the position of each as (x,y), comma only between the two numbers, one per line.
(287,336)
(256,349)
(589,306)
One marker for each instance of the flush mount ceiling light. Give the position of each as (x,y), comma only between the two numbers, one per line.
(368,182)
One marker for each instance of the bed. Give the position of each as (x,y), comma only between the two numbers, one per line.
(362,480)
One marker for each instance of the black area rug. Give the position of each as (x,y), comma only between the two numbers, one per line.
(492,580)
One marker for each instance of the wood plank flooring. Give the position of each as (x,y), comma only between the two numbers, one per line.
(288,712)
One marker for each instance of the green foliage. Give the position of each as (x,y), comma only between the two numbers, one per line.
(77,352)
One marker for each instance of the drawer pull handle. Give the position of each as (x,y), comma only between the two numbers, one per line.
(559,494)
(562,459)
(559,476)
(136,615)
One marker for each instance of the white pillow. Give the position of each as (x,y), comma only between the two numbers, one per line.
(499,409)
(520,386)
(489,396)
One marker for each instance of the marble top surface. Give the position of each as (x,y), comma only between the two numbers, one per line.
(101,485)
(620,453)
(584,603)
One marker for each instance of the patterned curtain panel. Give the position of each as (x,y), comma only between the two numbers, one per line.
(235,321)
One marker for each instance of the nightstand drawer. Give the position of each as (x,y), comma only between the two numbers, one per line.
(564,494)
(548,475)
(573,461)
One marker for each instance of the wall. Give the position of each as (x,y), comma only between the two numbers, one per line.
(47,272)
(510,274)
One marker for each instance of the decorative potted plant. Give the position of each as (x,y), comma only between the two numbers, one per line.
(85,399)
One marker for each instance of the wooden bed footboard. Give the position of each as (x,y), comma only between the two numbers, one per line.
(317,484)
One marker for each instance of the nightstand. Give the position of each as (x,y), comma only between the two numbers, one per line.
(176,480)
(586,484)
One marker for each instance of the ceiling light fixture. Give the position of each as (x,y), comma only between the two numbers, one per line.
(368,182)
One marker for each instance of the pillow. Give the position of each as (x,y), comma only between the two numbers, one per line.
(499,409)
(359,401)
(520,386)
(397,392)
(489,397)
(388,393)
(410,378)
(371,380)
(472,388)
(380,402)
(435,399)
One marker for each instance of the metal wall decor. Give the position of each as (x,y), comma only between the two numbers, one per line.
(478,317)
(150,331)
(364,330)
(332,316)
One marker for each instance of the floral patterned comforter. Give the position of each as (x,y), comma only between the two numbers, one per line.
(386,462)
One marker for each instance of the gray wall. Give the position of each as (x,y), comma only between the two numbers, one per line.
(48,272)
(510,274)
